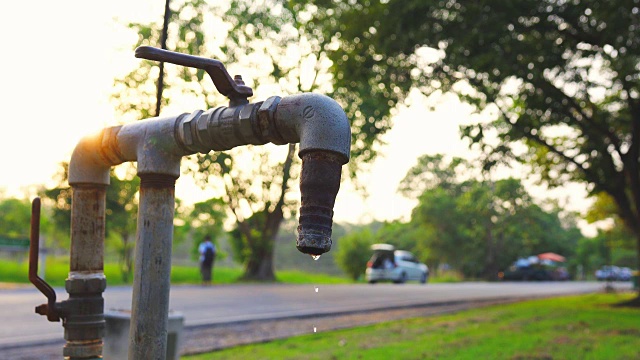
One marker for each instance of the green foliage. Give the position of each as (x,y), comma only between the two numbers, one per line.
(299,46)
(605,208)
(580,327)
(121,217)
(197,221)
(15,216)
(134,94)
(407,236)
(430,172)
(121,213)
(264,50)
(591,254)
(57,270)
(354,252)
(559,77)
(481,227)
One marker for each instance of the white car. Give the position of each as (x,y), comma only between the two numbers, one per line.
(399,266)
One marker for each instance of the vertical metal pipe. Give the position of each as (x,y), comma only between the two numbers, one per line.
(151,282)
(87,228)
(84,311)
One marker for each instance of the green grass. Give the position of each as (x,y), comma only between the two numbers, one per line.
(301,277)
(57,270)
(446,277)
(577,327)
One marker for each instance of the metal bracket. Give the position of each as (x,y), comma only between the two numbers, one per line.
(232,88)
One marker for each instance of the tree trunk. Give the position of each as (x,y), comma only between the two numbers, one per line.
(126,258)
(260,264)
(490,268)
(637,299)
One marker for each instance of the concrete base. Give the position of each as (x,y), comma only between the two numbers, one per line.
(116,338)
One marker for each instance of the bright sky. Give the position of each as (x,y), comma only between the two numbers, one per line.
(56,74)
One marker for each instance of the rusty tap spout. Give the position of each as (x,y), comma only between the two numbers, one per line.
(316,121)
(319,185)
(322,128)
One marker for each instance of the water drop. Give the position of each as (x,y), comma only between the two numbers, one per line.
(315,287)
(315,257)
(314,329)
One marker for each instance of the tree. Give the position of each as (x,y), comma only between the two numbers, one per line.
(15,215)
(278,45)
(560,77)
(481,227)
(604,209)
(407,236)
(354,252)
(121,211)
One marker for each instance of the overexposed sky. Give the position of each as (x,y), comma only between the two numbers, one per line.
(57,67)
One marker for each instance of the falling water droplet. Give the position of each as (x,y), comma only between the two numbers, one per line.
(315,257)
(314,329)
(315,287)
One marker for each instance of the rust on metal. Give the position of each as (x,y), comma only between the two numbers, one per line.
(319,185)
(88,228)
(157,181)
(83,349)
(48,309)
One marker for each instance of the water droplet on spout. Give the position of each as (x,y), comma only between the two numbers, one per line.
(315,257)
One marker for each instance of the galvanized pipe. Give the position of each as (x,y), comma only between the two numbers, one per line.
(87,229)
(83,312)
(158,144)
(151,283)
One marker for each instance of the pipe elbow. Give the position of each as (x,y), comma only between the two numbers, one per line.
(153,144)
(87,164)
(317,122)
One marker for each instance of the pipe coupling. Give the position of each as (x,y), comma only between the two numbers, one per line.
(83,317)
(220,129)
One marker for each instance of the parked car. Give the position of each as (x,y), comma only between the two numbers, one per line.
(613,273)
(526,273)
(625,274)
(534,268)
(608,273)
(399,266)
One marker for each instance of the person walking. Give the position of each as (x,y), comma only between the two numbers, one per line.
(207,252)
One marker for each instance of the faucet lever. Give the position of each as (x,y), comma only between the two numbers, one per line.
(48,309)
(235,90)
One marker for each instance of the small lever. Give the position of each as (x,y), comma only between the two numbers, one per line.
(227,86)
(48,309)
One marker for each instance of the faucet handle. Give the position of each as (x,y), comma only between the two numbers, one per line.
(234,89)
(50,310)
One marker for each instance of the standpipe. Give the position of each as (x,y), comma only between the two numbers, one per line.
(316,121)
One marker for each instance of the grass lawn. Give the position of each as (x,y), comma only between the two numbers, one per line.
(57,270)
(577,327)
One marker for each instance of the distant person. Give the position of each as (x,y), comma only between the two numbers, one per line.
(207,252)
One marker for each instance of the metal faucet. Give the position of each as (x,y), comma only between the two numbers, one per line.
(316,121)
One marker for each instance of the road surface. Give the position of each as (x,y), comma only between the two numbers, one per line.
(239,303)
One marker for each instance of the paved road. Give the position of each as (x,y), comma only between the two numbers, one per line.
(234,303)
